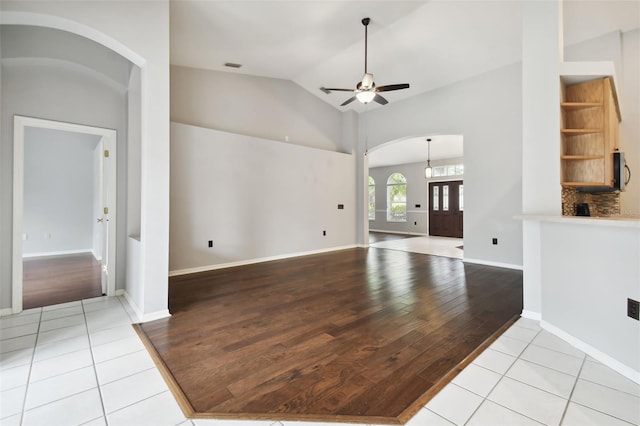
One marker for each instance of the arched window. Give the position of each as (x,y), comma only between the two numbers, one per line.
(397,198)
(372,199)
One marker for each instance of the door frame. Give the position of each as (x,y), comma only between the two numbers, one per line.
(109,141)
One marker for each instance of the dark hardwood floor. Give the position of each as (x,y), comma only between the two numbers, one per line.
(360,335)
(376,237)
(59,279)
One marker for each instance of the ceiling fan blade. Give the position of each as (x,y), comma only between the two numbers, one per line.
(329,89)
(379,99)
(390,87)
(348,101)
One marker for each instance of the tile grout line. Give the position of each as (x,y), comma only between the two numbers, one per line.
(26,388)
(434,413)
(145,399)
(564,412)
(592,408)
(538,346)
(93,364)
(485,398)
(609,387)
(602,412)
(130,375)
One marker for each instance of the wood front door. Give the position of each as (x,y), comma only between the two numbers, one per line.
(446,205)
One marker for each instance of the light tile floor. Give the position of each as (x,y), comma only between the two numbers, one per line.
(81,363)
(437,246)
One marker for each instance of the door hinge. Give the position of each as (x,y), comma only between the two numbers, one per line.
(106,210)
(106,153)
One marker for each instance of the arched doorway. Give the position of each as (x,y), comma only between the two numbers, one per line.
(408,158)
(110,80)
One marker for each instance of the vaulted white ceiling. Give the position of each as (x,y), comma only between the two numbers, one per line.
(428,44)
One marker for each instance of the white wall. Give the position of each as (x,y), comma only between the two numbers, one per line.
(541,190)
(417,193)
(62,92)
(58,191)
(486,111)
(589,271)
(630,125)
(255,106)
(134,155)
(255,198)
(138,30)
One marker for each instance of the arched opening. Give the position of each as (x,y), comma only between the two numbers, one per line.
(420,213)
(63,72)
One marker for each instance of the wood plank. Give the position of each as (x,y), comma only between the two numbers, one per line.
(59,279)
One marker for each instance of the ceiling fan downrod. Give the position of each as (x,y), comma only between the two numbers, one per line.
(365,22)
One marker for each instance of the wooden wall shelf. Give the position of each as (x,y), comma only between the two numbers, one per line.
(584,184)
(579,131)
(582,157)
(569,106)
(589,133)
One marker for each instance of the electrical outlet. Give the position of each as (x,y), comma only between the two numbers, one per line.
(633,309)
(210,243)
(324,233)
(417,206)
(494,241)
(415,223)
(340,206)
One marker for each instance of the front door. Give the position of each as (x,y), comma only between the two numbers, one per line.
(446,205)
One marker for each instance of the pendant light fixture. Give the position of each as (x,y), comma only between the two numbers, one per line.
(428,171)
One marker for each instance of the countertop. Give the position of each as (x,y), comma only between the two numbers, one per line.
(614,221)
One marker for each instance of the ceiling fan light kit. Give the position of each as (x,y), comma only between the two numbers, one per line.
(366,90)
(365,96)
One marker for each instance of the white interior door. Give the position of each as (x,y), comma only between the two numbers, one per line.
(98,229)
(108,181)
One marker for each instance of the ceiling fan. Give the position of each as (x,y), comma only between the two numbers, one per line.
(366,90)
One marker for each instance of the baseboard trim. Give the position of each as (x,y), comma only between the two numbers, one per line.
(531,315)
(58,253)
(607,360)
(206,268)
(6,311)
(492,263)
(141,317)
(384,231)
